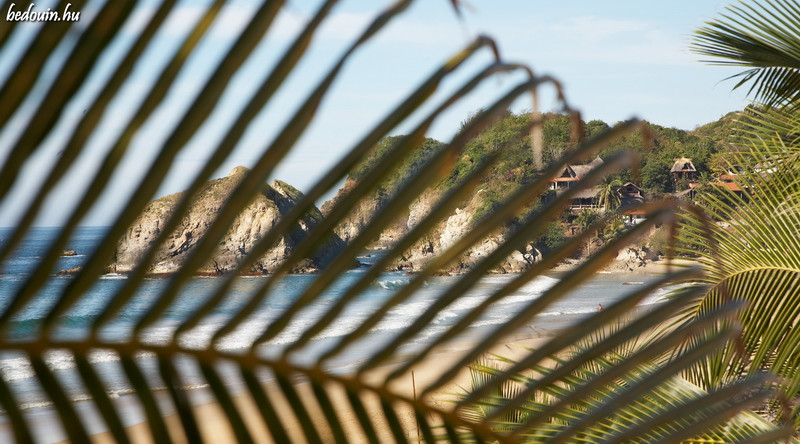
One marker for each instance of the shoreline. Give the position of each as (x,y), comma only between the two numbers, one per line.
(648,268)
(45,422)
(659,266)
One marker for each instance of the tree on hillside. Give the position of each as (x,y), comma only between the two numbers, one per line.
(557,133)
(655,174)
(608,198)
(595,128)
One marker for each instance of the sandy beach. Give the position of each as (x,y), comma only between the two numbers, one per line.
(216,429)
(622,268)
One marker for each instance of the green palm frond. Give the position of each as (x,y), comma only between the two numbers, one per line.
(758,228)
(607,402)
(762,37)
(758,241)
(295,388)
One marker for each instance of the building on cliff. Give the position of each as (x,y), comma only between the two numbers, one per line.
(630,195)
(572,174)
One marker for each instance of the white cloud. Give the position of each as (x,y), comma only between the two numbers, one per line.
(616,40)
(233,19)
(345,26)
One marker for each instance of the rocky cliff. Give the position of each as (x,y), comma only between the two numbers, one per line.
(449,231)
(251,225)
(443,235)
(361,214)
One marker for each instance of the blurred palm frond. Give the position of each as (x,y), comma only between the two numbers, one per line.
(288,409)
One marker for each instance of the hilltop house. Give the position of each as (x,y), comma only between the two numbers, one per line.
(683,168)
(629,195)
(727,181)
(573,173)
(584,199)
(587,199)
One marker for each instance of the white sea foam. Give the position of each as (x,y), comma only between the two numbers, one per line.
(498,279)
(17,369)
(661,294)
(393,284)
(467,302)
(114,276)
(411,309)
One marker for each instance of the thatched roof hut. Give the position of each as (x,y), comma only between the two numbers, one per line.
(574,173)
(682,166)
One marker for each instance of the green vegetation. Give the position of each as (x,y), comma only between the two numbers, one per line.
(755,259)
(655,147)
(656,151)
(552,238)
(748,247)
(402,173)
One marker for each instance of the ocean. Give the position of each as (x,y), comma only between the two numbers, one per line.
(17,372)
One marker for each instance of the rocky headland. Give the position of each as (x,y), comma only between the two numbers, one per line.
(249,227)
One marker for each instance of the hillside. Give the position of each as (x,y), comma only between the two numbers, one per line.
(507,136)
(656,146)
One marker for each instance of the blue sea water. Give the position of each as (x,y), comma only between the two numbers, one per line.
(18,373)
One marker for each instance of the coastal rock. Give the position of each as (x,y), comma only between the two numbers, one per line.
(441,236)
(69,271)
(362,213)
(421,207)
(450,231)
(633,257)
(250,226)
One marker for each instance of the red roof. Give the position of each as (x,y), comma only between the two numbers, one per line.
(729,185)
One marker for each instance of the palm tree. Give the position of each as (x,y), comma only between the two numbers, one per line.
(318,413)
(560,412)
(758,246)
(608,198)
(757,258)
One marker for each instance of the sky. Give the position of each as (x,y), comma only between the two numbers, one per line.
(615,60)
